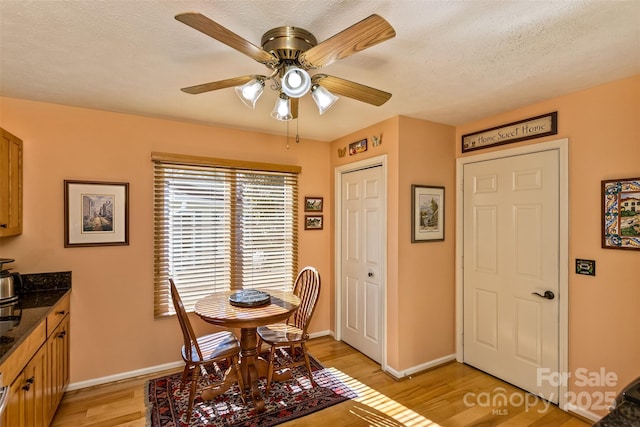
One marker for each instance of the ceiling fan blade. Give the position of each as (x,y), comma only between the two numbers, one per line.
(223,35)
(350,89)
(294,107)
(221,84)
(360,36)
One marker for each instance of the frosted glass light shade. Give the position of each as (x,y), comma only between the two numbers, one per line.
(296,82)
(250,92)
(282,109)
(323,98)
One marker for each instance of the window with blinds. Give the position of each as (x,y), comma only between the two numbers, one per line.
(222,225)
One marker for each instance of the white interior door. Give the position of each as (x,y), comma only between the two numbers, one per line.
(510,262)
(362,263)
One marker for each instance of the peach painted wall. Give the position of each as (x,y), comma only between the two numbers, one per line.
(603,128)
(420,276)
(113,330)
(426,270)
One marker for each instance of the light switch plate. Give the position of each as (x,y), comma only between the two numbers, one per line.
(586,267)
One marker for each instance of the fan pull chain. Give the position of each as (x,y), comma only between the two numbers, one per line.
(288,146)
(297,132)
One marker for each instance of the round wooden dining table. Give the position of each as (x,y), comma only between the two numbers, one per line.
(217,310)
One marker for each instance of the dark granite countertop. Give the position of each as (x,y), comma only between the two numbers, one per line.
(626,414)
(38,296)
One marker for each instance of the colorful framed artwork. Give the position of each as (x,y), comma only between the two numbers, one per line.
(358,147)
(621,213)
(96,213)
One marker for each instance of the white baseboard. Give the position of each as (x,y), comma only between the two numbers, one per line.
(321,334)
(149,370)
(570,407)
(422,367)
(124,375)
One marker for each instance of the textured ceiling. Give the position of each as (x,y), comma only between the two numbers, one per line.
(451,61)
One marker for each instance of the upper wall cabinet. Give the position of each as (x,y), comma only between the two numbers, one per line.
(10,184)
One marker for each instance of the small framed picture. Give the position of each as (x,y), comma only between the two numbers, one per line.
(313,204)
(313,222)
(96,213)
(358,147)
(427,207)
(621,213)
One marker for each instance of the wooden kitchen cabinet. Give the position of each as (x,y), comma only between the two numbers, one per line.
(10,184)
(39,371)
(58,365)
(35,385)
(27,405)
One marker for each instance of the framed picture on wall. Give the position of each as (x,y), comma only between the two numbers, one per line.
(96,213)
(313,204)
(313,222)
(621,213)
(358,147)
(427,207)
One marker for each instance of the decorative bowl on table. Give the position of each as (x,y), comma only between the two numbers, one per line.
(249,298)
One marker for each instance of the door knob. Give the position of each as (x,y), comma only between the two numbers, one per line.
(370,274)
(547,294)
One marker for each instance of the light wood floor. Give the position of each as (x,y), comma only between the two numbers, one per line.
(451,395)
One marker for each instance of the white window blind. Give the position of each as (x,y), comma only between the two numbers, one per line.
(222,227)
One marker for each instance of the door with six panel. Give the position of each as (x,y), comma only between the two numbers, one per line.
(362,278)
(511,269)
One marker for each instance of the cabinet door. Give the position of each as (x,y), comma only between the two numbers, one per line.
(58,366)
(26,407)
(35,384)
(14,413)
(10,184)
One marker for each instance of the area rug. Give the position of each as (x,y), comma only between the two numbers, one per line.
(167,405)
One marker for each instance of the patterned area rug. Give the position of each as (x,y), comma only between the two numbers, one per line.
(166,405)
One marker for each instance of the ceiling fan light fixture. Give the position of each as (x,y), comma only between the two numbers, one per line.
(296,82)
(250,92)
(323,98)
(282,109)
(288,52)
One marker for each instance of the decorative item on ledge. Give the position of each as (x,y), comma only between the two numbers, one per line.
(342,151)
(376,140)
(358,147)
(522,130)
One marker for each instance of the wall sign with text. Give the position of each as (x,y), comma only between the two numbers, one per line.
(522,130)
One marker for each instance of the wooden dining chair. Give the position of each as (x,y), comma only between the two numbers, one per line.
(199,353)
(293,333)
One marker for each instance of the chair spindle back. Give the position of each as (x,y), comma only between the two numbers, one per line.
(307,288)
(190,340)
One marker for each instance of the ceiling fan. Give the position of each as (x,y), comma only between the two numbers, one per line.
(289,52)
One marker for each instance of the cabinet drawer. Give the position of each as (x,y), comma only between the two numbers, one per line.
(19,358)
(57,314)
